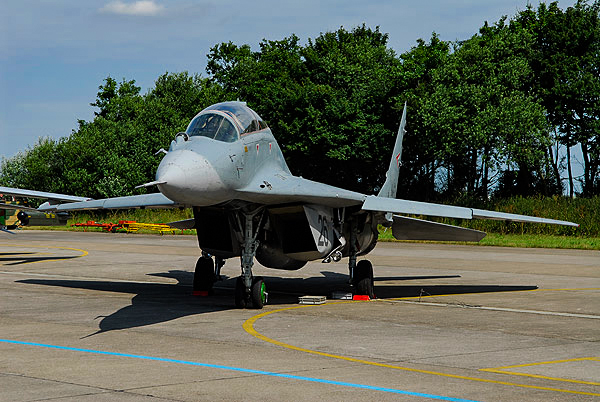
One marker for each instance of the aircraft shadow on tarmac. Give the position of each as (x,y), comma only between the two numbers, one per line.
(155,303)
(26,258)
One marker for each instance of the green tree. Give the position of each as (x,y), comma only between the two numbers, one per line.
(36,168)
(420,162)
(566,68)
(115,100)
(482,112)
(111,154)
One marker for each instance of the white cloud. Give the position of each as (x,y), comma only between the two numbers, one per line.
(140,7)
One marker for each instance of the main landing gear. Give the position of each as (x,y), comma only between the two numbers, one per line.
(207,272)
(363,279)
(361,273)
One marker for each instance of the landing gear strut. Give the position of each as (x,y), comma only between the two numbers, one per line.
(361,274)
(250,291)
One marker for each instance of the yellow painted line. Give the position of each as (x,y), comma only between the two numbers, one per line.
(83,252)
(550,362)
(249,328)
(504,370)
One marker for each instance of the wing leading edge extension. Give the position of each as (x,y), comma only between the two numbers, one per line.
(271,188)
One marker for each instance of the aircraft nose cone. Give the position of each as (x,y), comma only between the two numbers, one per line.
(173,176)
(189,178)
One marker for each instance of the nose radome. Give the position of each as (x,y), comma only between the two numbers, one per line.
(172,176)
(190,178)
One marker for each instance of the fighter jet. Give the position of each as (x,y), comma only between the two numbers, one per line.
(228,167)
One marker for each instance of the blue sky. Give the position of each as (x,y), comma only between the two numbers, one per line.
(55,53)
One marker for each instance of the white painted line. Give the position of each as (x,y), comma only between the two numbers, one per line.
(510,310)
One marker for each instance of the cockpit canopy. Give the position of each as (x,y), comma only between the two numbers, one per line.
(225,121)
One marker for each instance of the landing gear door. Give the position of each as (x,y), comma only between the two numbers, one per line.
(320,220)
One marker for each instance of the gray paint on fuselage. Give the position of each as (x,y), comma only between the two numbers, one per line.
(201,171)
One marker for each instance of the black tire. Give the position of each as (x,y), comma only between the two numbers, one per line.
(259,293)
(204,275)
(363,279)
(240,293)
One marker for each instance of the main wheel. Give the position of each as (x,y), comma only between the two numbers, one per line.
(204,276)
(363,279)
(259,293)
(240,293)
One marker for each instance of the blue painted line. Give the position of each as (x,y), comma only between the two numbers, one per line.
(242,370)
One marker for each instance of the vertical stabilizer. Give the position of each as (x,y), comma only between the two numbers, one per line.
(391,177)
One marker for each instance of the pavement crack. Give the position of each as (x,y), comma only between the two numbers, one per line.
(99,390)
(423,360)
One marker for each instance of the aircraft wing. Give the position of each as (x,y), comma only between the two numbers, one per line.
(278,188)
(17,192)
(398,206)
(382,204)
(154,200)
(63,202)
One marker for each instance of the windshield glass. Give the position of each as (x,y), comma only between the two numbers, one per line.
(213,125)
(247,118)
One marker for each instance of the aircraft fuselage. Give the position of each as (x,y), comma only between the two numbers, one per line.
(201,171)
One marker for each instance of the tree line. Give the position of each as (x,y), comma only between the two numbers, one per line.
(487,116)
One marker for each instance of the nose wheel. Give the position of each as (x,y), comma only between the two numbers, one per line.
(257,297)
(250,291)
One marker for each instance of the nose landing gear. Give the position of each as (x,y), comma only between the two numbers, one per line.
(250,291)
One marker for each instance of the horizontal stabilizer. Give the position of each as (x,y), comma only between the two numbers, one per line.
(184,224)
(405,228)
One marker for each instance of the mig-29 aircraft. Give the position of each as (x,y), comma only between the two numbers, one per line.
(228,167)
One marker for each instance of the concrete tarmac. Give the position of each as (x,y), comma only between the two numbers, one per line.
(99,317)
